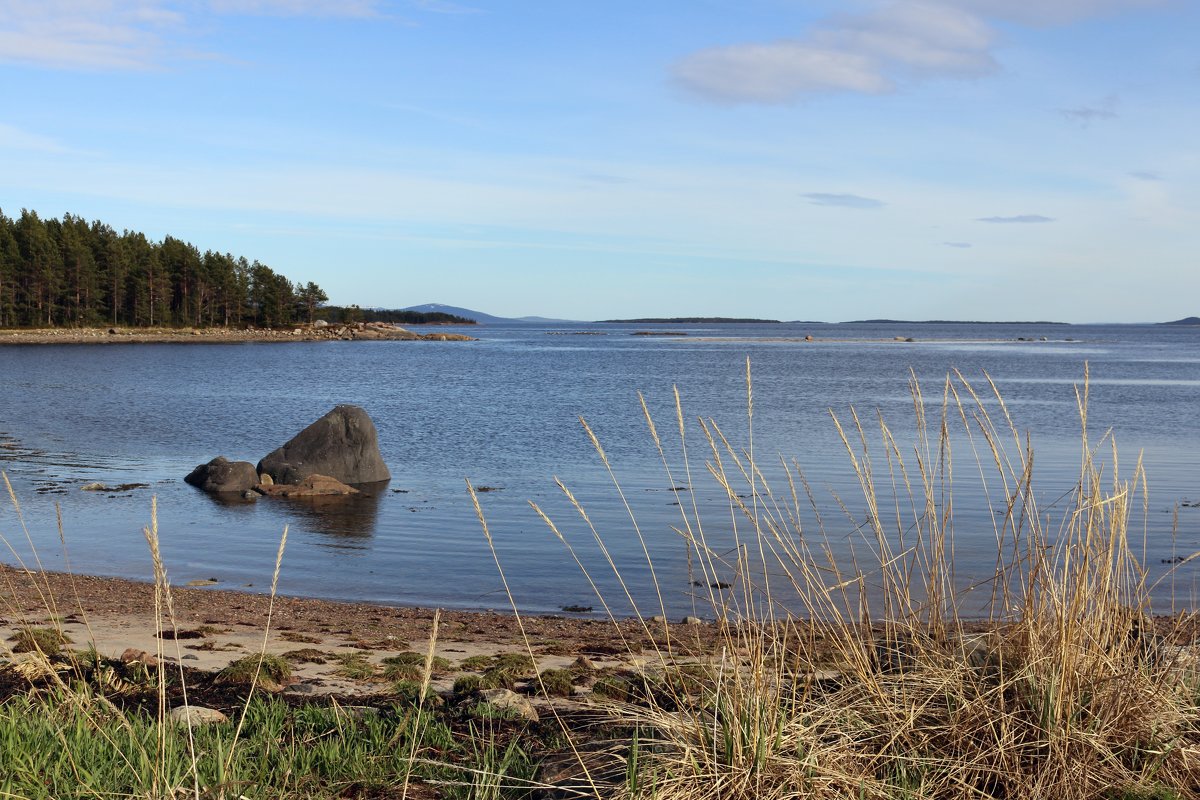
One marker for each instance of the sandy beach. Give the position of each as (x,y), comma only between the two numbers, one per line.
(213,627)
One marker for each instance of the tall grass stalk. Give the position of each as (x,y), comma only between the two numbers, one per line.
(419,718)
(262,650)
(488,779)
(842,662)
(151,763)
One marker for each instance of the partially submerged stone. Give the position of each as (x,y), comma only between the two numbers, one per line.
(312,486)
(104,487)
(221,476)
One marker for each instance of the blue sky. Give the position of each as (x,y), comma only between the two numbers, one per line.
(965,159)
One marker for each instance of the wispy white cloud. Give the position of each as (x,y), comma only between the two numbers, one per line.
(105,34)
(1019,219)
(777,72)
(299,8)
(133,34)
(879,50)
(923,36)
(843,200)
(444,7)
(866,53)
(960,245)
(1053,12)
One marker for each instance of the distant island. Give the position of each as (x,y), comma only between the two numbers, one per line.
(1184,321)
(401,316)
(480,317)
(690,320)
(949,322)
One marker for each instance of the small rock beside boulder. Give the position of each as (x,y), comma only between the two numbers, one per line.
(312,486)
(222,475)
(342,444)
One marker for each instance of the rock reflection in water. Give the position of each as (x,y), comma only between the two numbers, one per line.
(233,500)
(349,519)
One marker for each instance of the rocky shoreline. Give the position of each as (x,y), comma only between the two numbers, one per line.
(360,331)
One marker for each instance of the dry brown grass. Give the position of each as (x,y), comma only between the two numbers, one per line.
(1066,693)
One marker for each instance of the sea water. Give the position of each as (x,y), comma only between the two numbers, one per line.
(504,413)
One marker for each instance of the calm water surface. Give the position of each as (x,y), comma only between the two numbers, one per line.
(504,413)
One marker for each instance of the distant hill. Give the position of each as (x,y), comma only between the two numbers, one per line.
(395,316)
(479,316)
(1184,321)
(691,320)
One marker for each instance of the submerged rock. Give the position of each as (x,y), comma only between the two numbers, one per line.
(342,444)
(312,486)
(222,475)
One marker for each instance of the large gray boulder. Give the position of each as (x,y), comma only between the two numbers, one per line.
(222,475)
(342,444)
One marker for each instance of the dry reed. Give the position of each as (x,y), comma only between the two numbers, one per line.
(863,677)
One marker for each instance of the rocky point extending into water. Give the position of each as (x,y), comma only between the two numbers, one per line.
(318,331)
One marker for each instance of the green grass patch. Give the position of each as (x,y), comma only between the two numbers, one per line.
(48,641)
(467,684)
(476,663)
(355,666)
(272,676)
(556,682)
(410,665)
(74,747)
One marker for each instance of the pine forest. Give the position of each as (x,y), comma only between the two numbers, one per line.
(72,273)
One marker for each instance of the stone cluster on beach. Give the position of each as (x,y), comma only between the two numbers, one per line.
(328,457)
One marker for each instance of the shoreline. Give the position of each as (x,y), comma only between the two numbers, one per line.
(373,331)
(117,615)
(215,626)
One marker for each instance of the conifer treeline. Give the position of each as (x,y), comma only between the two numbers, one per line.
(70,272)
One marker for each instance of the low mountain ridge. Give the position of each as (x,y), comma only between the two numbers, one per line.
(478,316)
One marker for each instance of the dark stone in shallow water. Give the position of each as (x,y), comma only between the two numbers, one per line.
(222,475)
(342,444)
